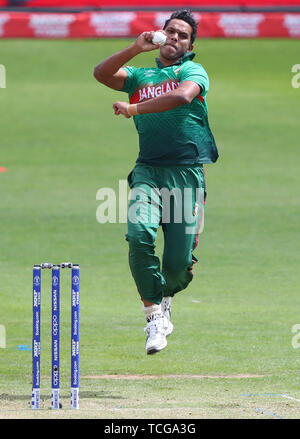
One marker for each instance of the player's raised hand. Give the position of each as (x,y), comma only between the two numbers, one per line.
(144,42)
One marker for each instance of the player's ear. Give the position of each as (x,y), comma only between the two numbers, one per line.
(191,47)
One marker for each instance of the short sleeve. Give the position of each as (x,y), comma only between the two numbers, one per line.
(196,73)
(130,82)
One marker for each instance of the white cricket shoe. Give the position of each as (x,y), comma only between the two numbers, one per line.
(166,309)
(156,337)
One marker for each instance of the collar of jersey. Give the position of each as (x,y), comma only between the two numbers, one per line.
(188,56)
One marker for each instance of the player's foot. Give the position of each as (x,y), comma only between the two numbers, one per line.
(156,337)
(166,309)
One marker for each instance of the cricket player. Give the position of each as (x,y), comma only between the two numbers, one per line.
(168,189)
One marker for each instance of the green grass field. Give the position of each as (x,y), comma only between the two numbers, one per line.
(231,353)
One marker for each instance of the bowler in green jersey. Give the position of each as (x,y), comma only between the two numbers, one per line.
(168,188)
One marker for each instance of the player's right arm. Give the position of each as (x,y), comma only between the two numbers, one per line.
(110,72)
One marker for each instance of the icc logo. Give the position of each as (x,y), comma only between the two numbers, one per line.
(36,281)
(55,281)
(75,280)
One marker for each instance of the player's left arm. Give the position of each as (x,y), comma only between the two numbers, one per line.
(183,95)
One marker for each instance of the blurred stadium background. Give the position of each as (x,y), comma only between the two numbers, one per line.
(126,18)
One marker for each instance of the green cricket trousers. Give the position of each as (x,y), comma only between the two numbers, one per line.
(172,197)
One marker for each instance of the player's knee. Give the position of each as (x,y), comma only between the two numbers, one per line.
(142,240)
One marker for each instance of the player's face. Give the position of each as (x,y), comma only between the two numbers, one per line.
(178,40)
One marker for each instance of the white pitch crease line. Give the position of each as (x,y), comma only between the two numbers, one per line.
(289,397)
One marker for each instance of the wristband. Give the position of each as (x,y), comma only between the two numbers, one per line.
(132,109)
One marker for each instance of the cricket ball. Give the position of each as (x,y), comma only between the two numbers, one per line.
(159,38)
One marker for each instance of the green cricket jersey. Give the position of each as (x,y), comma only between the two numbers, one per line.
(179,136)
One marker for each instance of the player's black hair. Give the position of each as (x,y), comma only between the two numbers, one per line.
(185,15)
